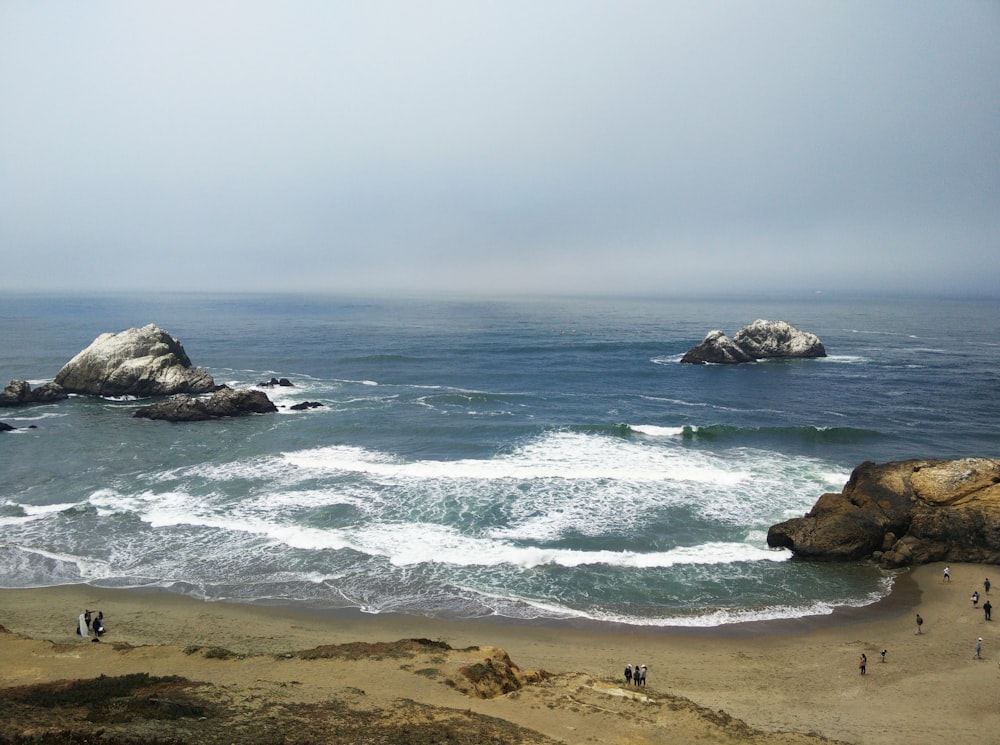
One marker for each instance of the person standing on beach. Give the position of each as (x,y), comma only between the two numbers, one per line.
(628,675)
(987,609)
(947,574)
(986,585)
(642,675)
(979,650)
(975,598)
(920,622)
(863,663)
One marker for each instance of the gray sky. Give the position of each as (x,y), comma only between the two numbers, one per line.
(548,146)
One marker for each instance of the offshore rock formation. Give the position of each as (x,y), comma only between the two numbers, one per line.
(222,403)
(904,512)
(760,340)
(19,392)
(134,362)
(718,349)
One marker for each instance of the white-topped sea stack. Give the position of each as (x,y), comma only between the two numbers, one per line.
(758,341)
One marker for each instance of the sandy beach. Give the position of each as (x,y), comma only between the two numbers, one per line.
(798,678)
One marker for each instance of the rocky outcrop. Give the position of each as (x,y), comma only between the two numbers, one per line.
(283,382)
(19,392)
(904,512)
(135,362)
(224,402)
(4,427)
(497,675)
(718,349)
(760,340)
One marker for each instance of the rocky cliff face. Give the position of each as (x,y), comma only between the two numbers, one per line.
(760,340)
(136,362)
(904,512)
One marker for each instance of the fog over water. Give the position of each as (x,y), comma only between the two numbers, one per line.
(564,147)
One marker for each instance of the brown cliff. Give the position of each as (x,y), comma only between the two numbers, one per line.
(904,512)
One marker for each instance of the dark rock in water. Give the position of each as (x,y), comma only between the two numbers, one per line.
(224,402)
(717,348)
(48,392)
(4,427)
(904,512)
(760,340)
(134,362)
(283,382)
(19,392)
(16,392)
(305,405)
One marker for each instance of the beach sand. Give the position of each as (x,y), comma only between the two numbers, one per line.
(738,684)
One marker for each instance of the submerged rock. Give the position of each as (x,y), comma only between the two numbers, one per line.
(760,340)
(225,402)
(135,362)
(904,512)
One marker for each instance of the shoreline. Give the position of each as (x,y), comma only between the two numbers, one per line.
(796,676)
(903,595)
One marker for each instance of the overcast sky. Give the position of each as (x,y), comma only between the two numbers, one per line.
(560,147)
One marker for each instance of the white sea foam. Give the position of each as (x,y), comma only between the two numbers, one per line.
(654,431)
(836,478)
(32,512)
(845,359)
(558,455)
(406,545)
(664,360)
(513,606)
(86,568)
(46,509)
(679,402)
(562,482)
(35,416)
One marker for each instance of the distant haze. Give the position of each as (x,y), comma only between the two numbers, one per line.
(473,147)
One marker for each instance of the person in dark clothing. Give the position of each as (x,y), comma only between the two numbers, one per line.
(987,609)
(920,622)
(628,675)
(863,663)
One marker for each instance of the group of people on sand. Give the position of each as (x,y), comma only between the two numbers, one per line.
(635,675)
(976,597)
(88,622)
(987,606)
(863,661)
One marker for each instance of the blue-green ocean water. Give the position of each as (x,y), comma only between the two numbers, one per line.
(522,458)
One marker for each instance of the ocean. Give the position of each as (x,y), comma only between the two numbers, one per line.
(521,458)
